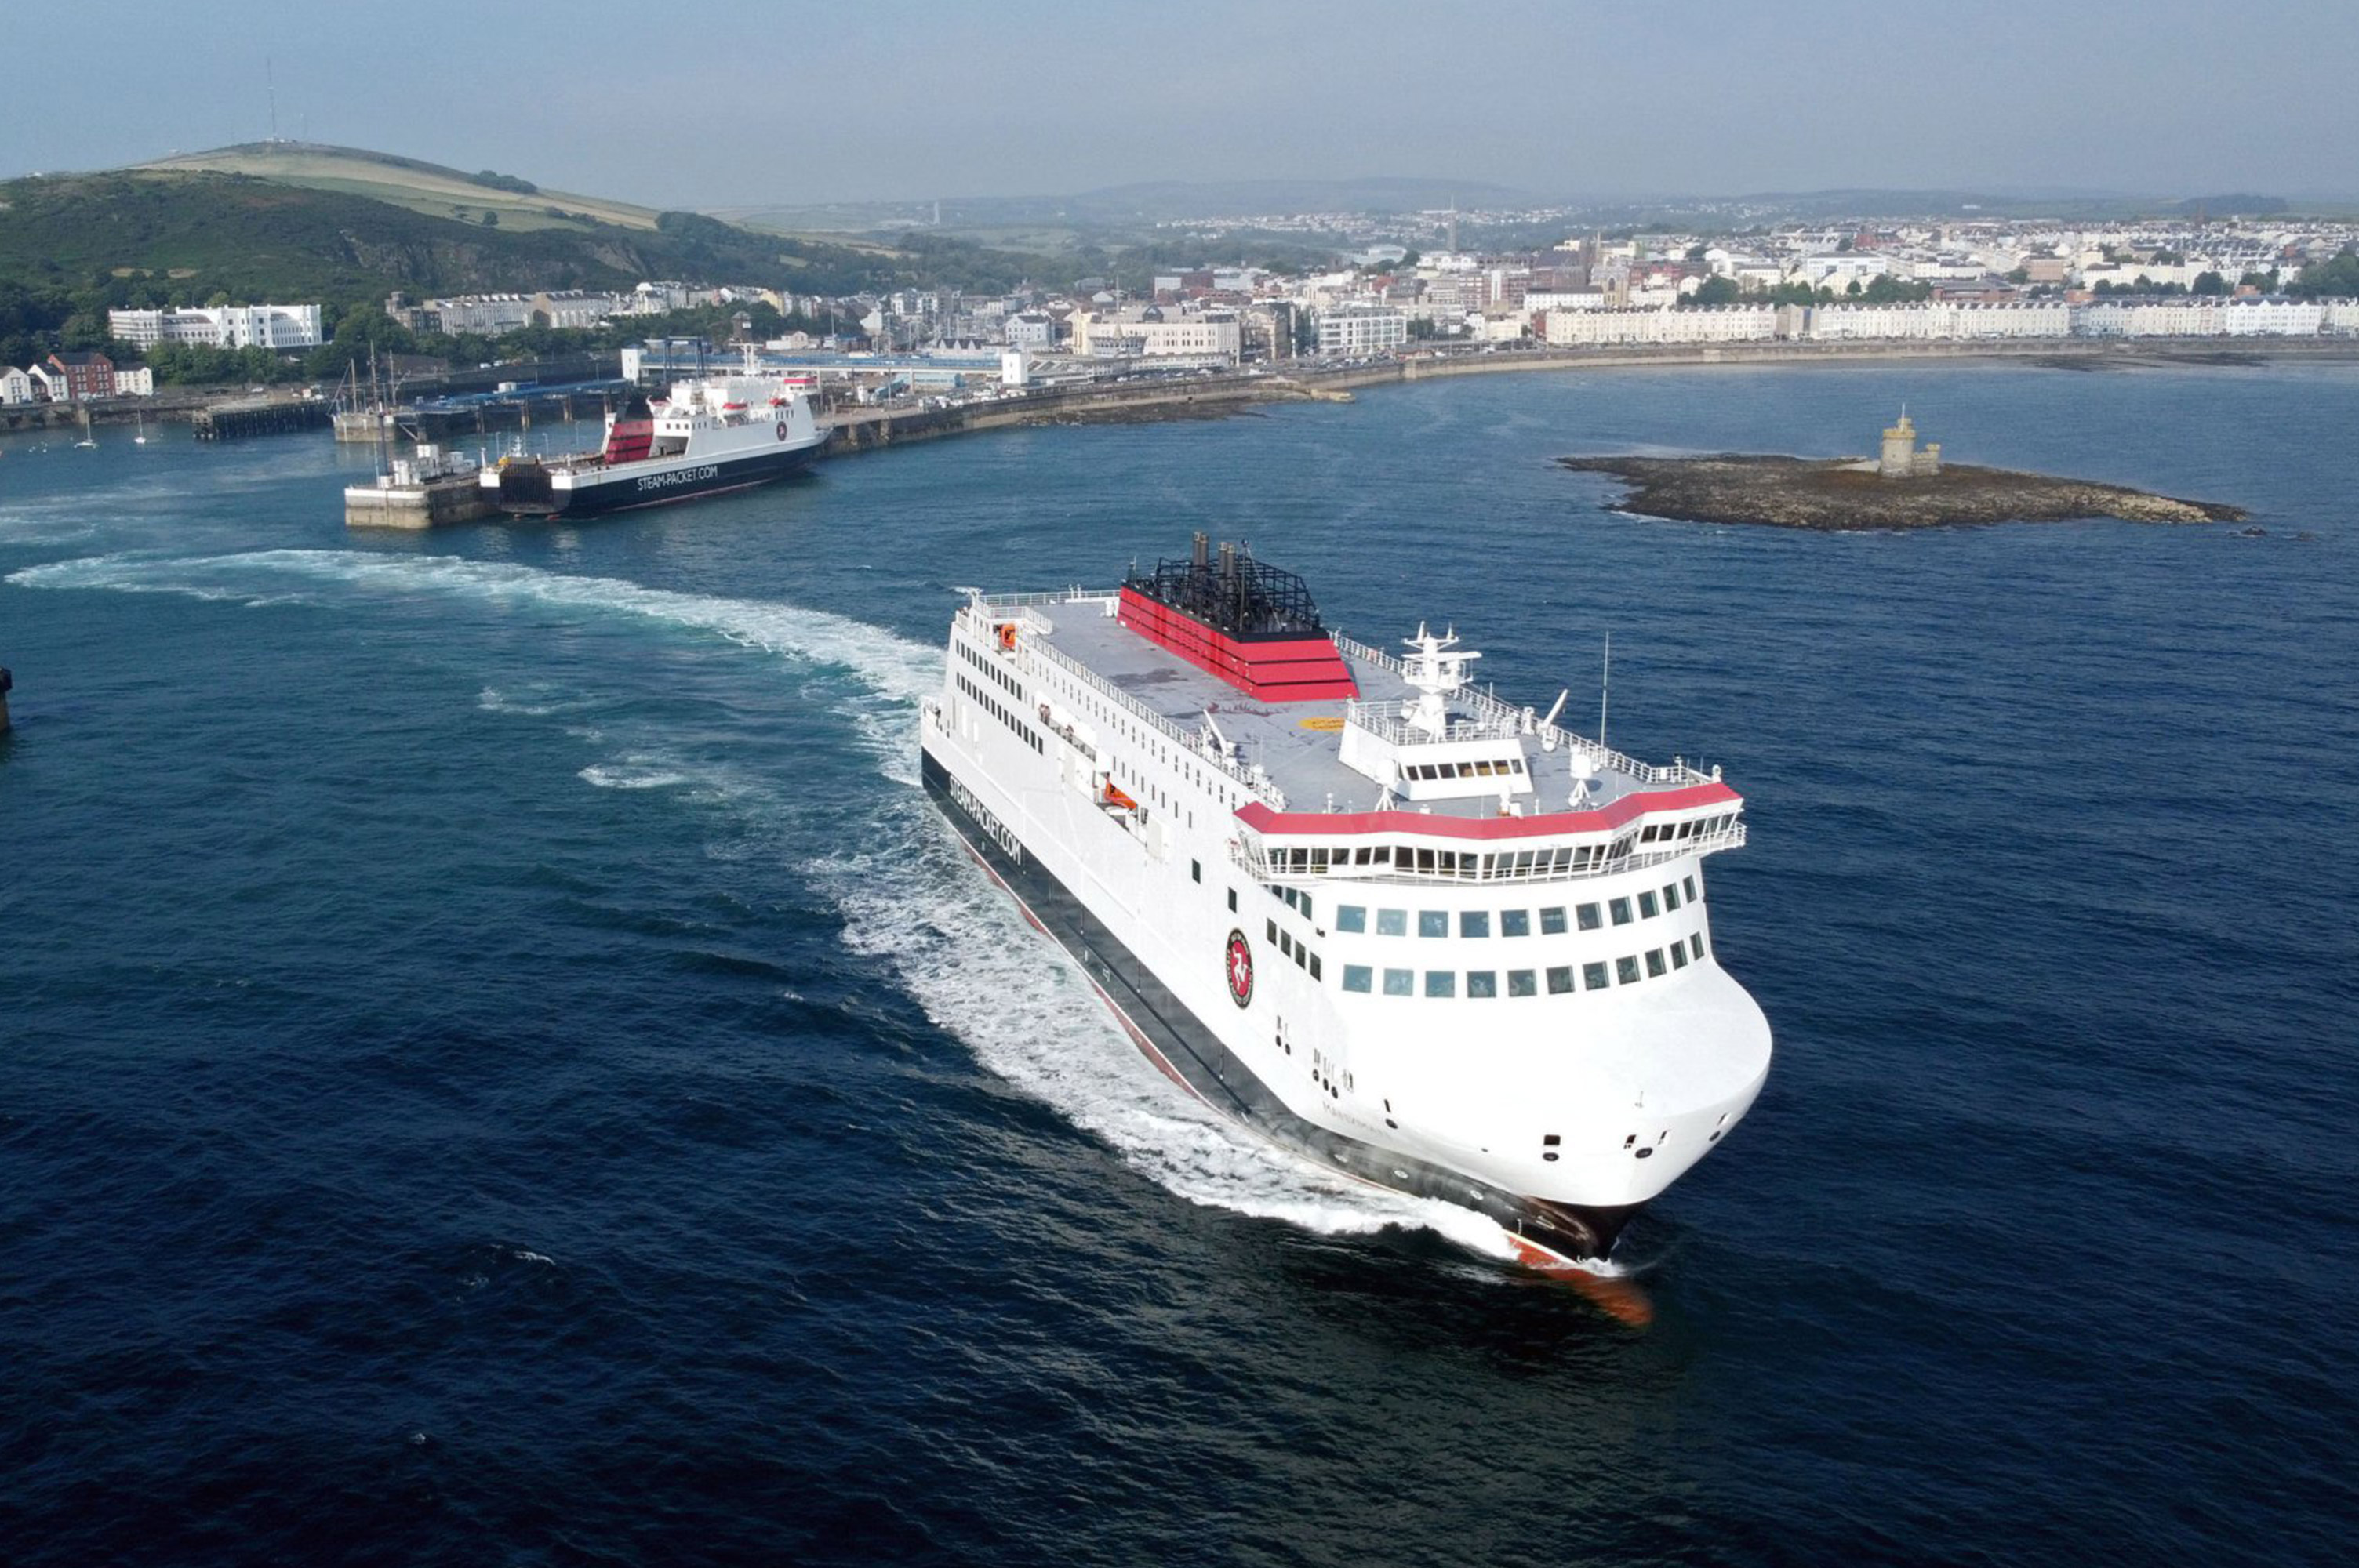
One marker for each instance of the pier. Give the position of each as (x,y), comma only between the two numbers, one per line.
(258,416)
(429,491)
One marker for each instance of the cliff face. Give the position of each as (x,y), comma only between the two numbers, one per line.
(1836,495)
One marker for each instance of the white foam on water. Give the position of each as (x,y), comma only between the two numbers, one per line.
(631,775)
(893,666)
(962,949)
(532,699)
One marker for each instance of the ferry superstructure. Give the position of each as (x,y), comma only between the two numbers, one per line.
(1434,940)
(704,435)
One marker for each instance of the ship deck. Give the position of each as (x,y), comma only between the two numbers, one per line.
(1297,743)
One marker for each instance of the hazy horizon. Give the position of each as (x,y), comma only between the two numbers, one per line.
(905,103)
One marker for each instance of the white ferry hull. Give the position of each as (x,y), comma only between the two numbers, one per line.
(1191,1052)
(1426,974)
(593,492)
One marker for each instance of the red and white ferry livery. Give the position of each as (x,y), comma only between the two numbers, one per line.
(1434,940)
(710,433)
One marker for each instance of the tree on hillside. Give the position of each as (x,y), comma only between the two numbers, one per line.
(2209,283)
(1715,291)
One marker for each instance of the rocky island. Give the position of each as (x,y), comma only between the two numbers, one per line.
(1905,488)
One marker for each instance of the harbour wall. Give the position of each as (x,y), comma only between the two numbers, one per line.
(868,430)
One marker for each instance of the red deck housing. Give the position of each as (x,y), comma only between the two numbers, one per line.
(1273,669)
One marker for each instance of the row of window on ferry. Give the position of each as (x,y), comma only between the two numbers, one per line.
(1553,918)
(1628,970)
(1318,860)
(1510,767)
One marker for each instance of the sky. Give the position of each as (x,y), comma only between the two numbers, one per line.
(745,102)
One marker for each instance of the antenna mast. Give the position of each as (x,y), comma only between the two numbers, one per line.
(1604,686)
(270,85)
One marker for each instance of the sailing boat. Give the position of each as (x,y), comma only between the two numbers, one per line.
(87,439)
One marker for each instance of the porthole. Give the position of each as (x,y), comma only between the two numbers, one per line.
(1647,1151)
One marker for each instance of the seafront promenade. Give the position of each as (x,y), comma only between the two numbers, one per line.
(874,429)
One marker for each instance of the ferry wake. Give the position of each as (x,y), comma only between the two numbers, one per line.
(1433,940)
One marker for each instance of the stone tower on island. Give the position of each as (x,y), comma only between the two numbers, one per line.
(1901,459)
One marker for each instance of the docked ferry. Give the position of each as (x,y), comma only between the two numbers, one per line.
(705,435)
(1382,917)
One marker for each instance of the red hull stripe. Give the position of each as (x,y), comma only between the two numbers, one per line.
(1352,824)
(1299,669)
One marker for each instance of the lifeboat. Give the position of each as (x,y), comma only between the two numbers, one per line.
(1117,799)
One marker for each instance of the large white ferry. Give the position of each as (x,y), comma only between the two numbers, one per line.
(1432,939)
(708,434)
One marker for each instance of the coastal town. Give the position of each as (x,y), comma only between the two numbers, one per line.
(1863,285)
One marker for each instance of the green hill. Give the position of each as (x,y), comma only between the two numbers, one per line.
(346,229)
(175,238)
(425,188)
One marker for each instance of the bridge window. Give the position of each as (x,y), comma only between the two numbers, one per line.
(1692,892)
(1358,978)
(1560,978)
(1351,917)
(1679,955)
(1521,982)
(1392,922)
(1474,922)
(1592,976)
(1671,896)
(1621,910)
(1514,923)
(1482,982)
(1655,963)
(1587,912)
(1648,907)
(1626,970)
(1441,982)
(1552,921)
(1400,982)
(1695,943)
(1434,923)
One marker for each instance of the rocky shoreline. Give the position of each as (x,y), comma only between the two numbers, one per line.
(1835,495)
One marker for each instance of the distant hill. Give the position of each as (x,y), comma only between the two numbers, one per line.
(426,187)
(159,236)
(1127,210)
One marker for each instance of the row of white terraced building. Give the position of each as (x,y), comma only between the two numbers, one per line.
(2241,316)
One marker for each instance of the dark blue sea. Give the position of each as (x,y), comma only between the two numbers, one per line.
(500,1065)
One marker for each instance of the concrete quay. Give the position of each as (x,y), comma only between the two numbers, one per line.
(429,491)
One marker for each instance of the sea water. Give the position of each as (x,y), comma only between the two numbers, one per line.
(499,1062)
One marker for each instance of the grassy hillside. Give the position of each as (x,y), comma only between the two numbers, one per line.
(424,187)
(154,237)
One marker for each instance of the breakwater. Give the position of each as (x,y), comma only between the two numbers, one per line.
(258,416)
(865,430)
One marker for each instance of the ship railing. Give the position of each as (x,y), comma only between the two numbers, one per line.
(1488,710)
(1389,720)
(1196,742)
(1076,595)
(1461,866)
